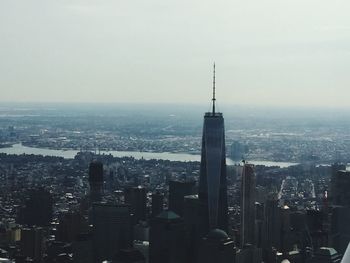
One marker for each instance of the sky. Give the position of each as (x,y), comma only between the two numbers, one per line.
(293,53)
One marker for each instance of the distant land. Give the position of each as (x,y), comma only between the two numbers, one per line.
(265,133)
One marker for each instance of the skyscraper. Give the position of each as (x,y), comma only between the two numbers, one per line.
(167,239)
(212,182)
(340,228)
(136,198)
(217,247)
(38,207)
(272,222)
(157,203)
(177,191)
(31,244)
(96,181)
(340,185)
(248,205)
(112,230)
(334,182)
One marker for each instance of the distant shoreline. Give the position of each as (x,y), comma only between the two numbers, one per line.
(182,157)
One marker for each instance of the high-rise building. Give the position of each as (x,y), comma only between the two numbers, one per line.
(248,205)
(167,239)
(37,210)
(137,199)
(341,185)
(195,227)
(82,249)
(340,228)
(272,223)
(259,225)
(217,247)
(32,243)
(177,191)
(346,257)
(157,203)
(334,170)
(212,181)
(96,181)
(315,223)
(71,224)
(112,230)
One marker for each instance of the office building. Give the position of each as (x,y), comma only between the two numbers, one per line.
(96,181)
(341,185)
(272,223)
(248,205)
(334,170)
(177,191)
(137,199)
(112,230)
(82,249)
(340,228)
(157,203)
(212,181)
(37,210)
(32,243)
(71,224)
(216,247)
(167,239)
(315,223)
(195,228)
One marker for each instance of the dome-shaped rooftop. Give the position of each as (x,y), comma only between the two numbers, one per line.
(168,215)
(217,234)
(327,251)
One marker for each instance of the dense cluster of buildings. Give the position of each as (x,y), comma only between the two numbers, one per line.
(124,210)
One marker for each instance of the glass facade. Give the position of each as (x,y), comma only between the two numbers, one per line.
(212,183)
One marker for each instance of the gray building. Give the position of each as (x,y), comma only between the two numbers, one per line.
(177,191)
(112,230)
(167,239)
(341,186)
(212,181)
(217,247)
(137,199)
(248,205)
(96,181)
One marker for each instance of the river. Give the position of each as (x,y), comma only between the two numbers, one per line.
(183,157)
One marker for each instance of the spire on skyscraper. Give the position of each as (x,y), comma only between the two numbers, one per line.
(213,99)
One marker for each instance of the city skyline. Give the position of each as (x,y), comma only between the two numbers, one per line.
(272,54)
(96,207)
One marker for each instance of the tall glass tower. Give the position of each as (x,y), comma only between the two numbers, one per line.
(212,182)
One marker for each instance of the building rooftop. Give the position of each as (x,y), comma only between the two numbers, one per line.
(217,234)
(210,114)
(168,215)
(327,251)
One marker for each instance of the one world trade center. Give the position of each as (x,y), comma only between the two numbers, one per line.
(212,182)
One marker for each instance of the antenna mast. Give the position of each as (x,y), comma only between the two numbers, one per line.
(213,99)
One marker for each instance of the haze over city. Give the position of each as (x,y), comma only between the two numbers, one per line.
(284,53)
(174,131)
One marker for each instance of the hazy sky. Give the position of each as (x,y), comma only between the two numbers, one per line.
(267,52)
